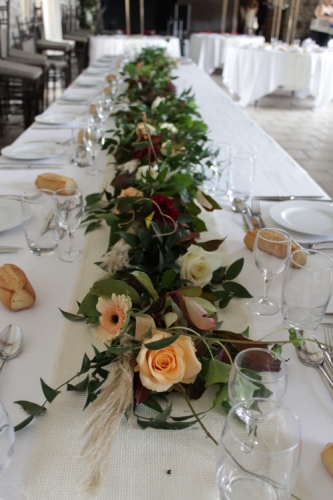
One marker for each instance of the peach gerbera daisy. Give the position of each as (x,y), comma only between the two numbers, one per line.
(113,316)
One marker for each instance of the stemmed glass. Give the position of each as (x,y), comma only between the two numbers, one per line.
(306,290)
(68,207)
(271,252)
(257,373)
(219,160)
(7,441)
(93,138)
(104,107)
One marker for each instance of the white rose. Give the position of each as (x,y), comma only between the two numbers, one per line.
(142,172)
(197,265)
(156,102)
(129,166)
(169,126)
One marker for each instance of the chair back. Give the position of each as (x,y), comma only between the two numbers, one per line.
(27,34)
(4,29)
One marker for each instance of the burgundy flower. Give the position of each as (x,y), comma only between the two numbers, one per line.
(167,208)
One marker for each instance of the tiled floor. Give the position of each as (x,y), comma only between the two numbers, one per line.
(305,134)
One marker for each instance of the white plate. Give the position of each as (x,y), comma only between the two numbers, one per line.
(307,217)
(89,82)
(71,97)
(93,71)
(101,64)
(57,119)
(33,151)
(10,214)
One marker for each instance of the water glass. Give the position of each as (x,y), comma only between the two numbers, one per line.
(257,373)
(240,176)
(39,224)
(219,160)
(261,459)
(81,155)
(306,289)
(93,138)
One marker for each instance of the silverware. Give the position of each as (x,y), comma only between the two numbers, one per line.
(239,206)
(316,244)
(325,354)
(315,360)
(9,249)
(11,166)
(328,332)
(61,143)
(11,339)
(256,211)
(285,198)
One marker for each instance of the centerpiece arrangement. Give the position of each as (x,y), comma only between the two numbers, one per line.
(155,310)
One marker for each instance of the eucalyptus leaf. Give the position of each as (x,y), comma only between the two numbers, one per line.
(160,344)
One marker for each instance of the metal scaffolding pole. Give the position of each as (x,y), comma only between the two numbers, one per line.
(224,15)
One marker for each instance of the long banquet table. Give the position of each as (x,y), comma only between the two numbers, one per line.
(209,50)
(117,44)
(145,464)
(253,73)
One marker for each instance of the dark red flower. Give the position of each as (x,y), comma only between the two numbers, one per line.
(167,208)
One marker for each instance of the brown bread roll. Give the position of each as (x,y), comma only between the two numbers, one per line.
(16,292)
(272,248)
(327,457)
(54,182)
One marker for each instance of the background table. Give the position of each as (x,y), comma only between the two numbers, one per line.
(140,459)
(118,44)
(208,51)
(253,73)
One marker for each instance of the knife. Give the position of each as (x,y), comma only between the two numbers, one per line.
(10,166)
(286,198)
(4,249)
(324,245)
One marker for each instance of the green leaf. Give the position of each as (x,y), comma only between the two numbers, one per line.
(162,417)
(236,289)
(24,423)
(246,332)
(152,402)
(88,305)
(225,301)
(217,372)
(170,426)
(85,367)
(184,180)
(130,238)
(80,387)
(118,351)
(277,348)
(107,287)
(191,291)
(160,344)
(92,226)
(93,198)
(168,278)
(221,395)
(211,245)
(295,337)
(31,408)
(234,270)
(145,281)
(71,317)
(49,393)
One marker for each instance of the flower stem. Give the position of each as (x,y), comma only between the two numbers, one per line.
(208,434)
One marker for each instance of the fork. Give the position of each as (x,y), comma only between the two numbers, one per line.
(256,211)
(328,332)
(315,360)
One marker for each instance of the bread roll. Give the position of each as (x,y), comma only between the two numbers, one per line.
(327,457)
(54,182)
(271,247)
(16,292)
(93,109)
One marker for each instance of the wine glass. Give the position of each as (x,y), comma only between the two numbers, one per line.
(306,290)
(240,176)
(271,252)
(219,160)
(7,441)
(257,373)
(68,207)
(93,138)
(262,464)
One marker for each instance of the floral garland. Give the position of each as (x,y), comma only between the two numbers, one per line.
(155,311)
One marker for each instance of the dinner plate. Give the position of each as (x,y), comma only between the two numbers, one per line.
(33,151)
(10,214)
(307,217)
(101,64)
(88,82)
(57,119)
(71,97)
(94,71)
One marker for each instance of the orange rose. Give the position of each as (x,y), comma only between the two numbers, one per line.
(161,369)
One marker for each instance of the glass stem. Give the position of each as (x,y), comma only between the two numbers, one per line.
(72,249)
(264,298)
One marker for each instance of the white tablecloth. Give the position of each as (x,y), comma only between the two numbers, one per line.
(117,44)
(277,173)
(253,73)
(209,50)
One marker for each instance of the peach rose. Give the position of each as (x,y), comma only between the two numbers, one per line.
(161,369)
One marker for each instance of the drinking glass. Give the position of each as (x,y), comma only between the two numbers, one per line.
(104,106)
(93,138)
(68,206)
(81,155)
(257,373)
(240,176)
(306,290)
(219,158)
(7,441)
(40,229)
(271,256)
(259,460)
